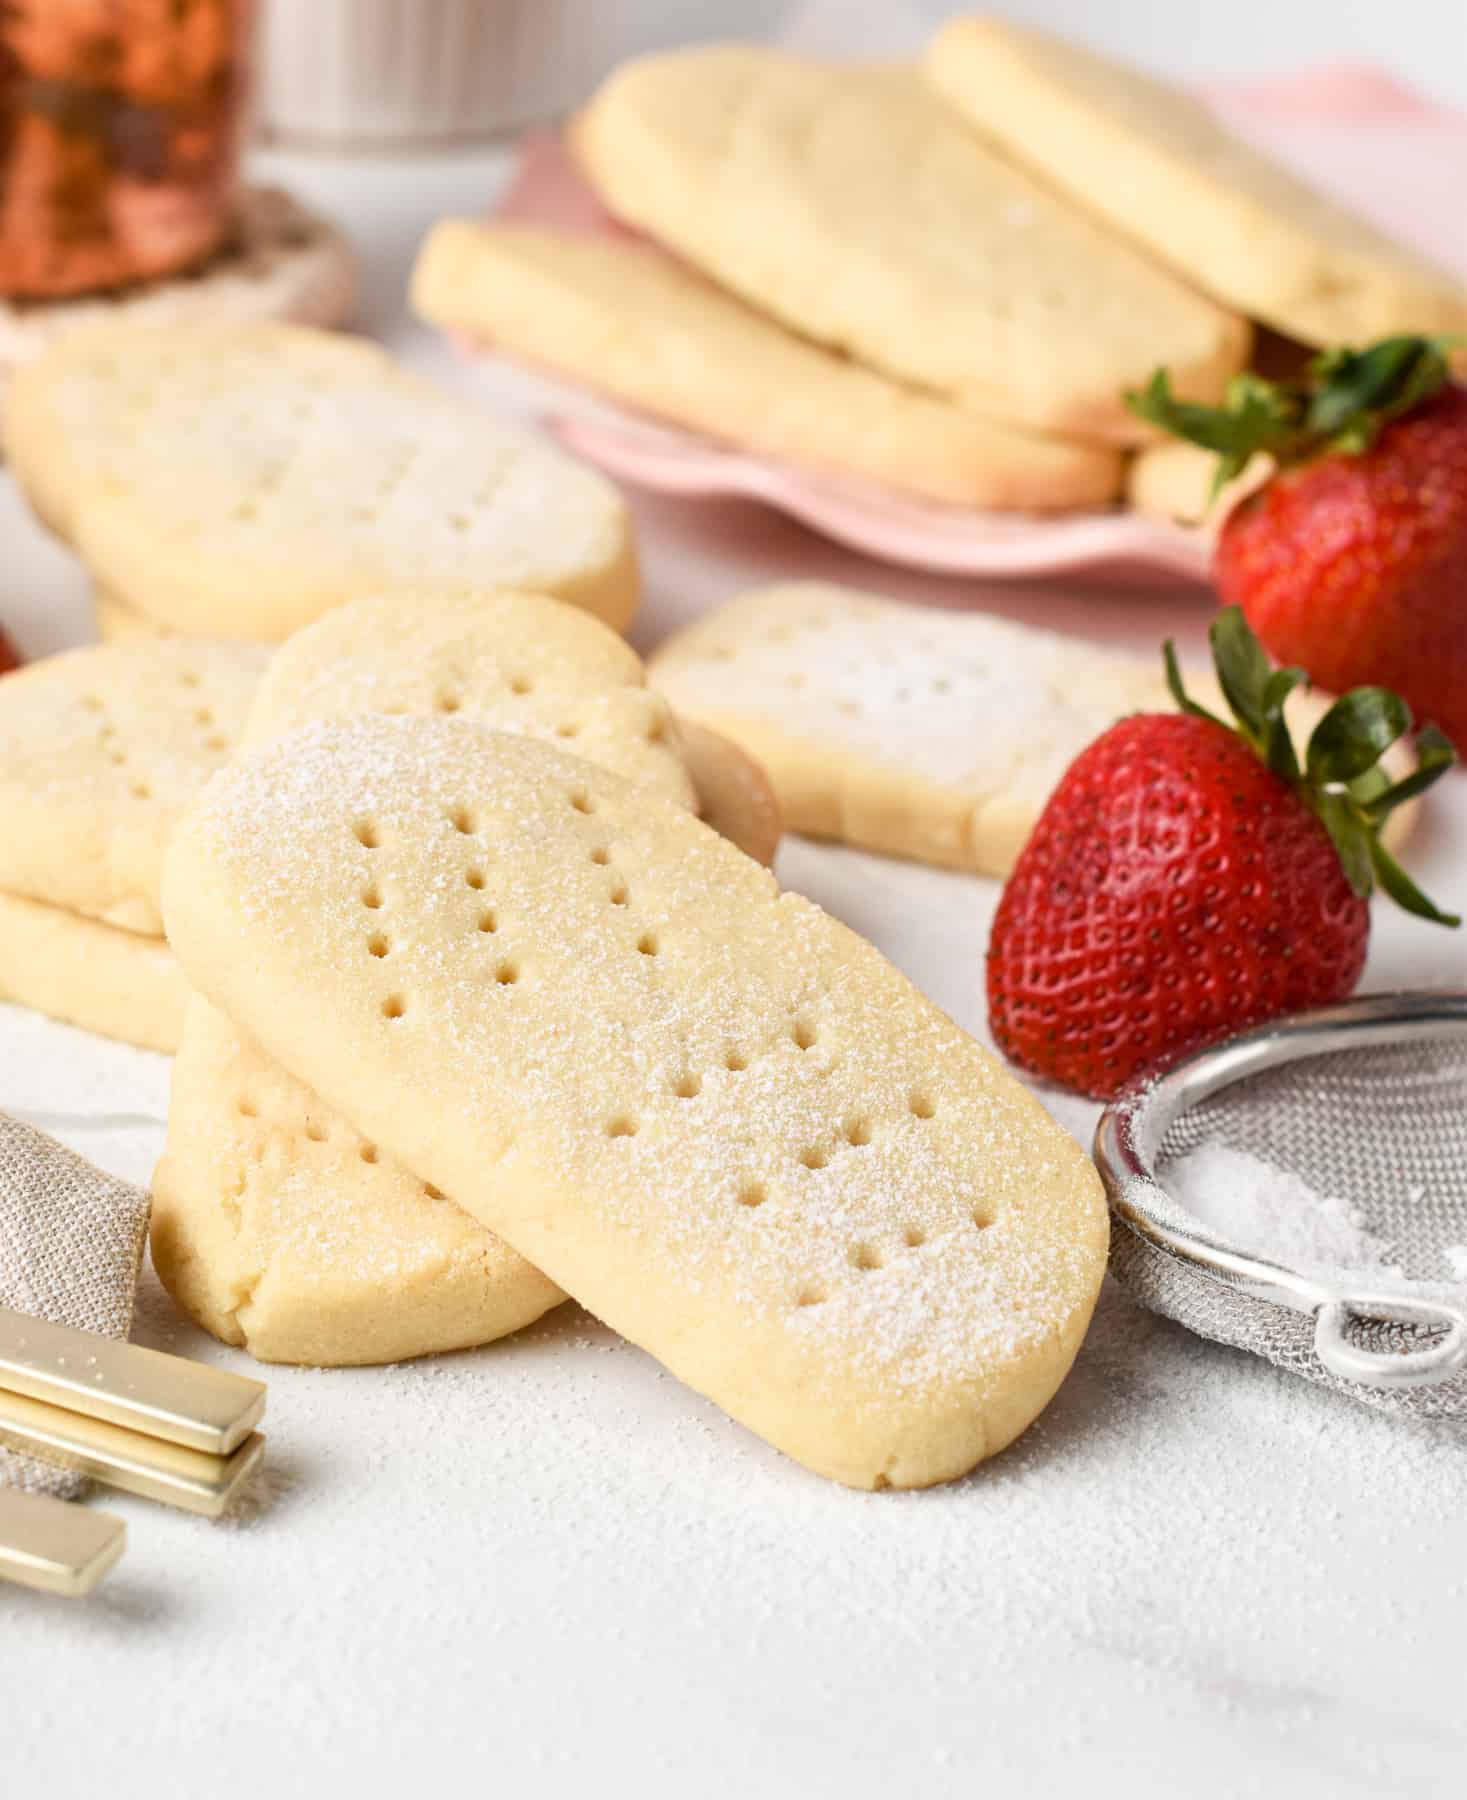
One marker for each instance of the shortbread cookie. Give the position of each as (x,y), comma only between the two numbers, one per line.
(281,261)
(117,623)
(1174,481)
(1158,166)
(101,750)
(117,983)
(335,1255)
(241,480)
(278,1227)
(628,321)
(735,795)
(854,206)
(713,1114)
(928,734)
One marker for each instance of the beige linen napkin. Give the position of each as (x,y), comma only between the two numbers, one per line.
(71,1243)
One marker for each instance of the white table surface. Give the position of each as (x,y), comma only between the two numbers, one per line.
(547,1566)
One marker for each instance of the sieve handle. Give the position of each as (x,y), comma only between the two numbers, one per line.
(1388,1368)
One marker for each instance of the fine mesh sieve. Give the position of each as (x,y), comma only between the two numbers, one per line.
(1366,1101)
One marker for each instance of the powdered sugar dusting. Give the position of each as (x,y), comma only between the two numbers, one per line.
(1271,1212)
(753,1129)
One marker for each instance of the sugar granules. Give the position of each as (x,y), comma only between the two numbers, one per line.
(1271,1212)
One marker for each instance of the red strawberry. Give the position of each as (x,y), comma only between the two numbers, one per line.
(1187,879)
(1352,559)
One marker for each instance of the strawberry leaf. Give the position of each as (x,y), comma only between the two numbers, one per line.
(1355,733)
(1402,889)
(1434,756)
(1178,691)
(1350,839)
(1243,667)
(1340,404)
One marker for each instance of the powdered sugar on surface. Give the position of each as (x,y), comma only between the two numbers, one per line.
(1273,1213)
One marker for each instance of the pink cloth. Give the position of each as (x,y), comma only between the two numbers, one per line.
(1354,131)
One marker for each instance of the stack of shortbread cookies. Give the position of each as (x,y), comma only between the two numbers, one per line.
(942,279)
(486,1016)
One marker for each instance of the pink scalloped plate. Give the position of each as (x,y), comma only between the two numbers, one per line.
(1355,131)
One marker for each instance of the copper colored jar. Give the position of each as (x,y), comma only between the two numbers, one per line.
(119,139)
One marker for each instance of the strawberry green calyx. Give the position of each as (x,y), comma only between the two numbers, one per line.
(1340,404)
(1341,779)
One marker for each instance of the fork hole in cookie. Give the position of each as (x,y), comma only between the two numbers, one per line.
(394,1006)
(141,791)
(521,684)
(601,856)
(753,1193)
(316,1133)
(190,678)
(619,894)
(647,943)
(507,974)
(365,832)
(488,921)
(814,1158)
(866,1257)
(920,1105)
(371,898)
(377,944)
(981,1218)
(810,1296)
(914,1237)
(622,1126)
(475,878)
(858,1132)
(735,1062)
(804,1034)
(568,729)
(688,1087)
(92,703)
(462,820)
(657,731)
(448,702)
(581,801)
(247,1107)
(430,1192)
(368,1153)
(204,715)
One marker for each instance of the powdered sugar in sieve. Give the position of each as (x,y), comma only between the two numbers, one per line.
(1362,1111)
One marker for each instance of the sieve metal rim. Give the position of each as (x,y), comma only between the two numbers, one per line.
(1132,1128)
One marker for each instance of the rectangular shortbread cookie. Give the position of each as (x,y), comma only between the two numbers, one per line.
(713,1114)
(119,984)
(240,480)
(935,735)
(854,206)
(1161,168)
(628,321)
